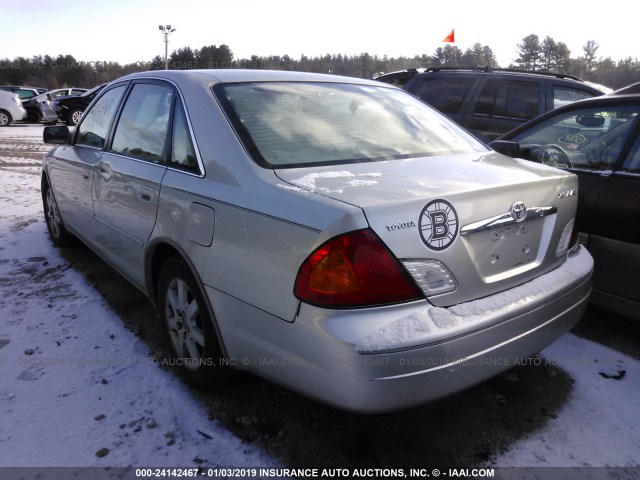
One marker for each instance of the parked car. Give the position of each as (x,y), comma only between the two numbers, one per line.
(71,108)
(598,140)
(40,108)
(23,92)
(490,102)
(335,235)
(11,109)
(398,78)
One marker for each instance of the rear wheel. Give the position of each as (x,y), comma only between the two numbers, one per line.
(194,345)
(33,115)
(5,118)
(58,234)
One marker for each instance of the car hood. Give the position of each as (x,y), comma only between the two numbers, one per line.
(402,198)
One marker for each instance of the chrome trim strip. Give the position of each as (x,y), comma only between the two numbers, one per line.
(506,219)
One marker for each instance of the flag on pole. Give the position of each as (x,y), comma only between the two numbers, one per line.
(450,38)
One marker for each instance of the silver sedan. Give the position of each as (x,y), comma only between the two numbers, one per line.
(332,234)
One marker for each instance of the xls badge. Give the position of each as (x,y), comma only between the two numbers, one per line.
(438,224)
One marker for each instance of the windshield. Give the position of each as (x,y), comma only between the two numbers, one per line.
(586,139)
(94,89)
(290,124)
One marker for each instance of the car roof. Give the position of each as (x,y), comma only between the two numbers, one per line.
(629,89)
(603,101)
(246,75)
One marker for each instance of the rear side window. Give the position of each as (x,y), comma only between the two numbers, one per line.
(24,94)
(95,124)
(183,154)
(443,93)
(632,162)
(509,99)
(142,128)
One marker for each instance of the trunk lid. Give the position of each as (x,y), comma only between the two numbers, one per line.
(465,211)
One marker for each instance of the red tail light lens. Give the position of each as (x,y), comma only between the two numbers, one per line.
(354,270)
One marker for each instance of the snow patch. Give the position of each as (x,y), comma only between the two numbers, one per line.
(437,323)
(396,333)
(311,180)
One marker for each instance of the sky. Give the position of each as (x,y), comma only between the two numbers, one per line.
(126,31)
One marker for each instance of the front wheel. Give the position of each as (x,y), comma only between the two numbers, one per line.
(192,338)
(73,117)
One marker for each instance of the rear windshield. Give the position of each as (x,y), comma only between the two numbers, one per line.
(289,124)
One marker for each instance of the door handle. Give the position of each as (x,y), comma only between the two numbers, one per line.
(105,170)
(146,194)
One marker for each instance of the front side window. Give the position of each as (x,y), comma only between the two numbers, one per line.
(94,128)
(290,124)
(509,99)
(587,139)
(143,125)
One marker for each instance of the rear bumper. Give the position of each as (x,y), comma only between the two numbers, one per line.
(389,358)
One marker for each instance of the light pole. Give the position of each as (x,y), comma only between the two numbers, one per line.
(166,30)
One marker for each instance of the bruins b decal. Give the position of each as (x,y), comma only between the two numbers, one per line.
(438,224)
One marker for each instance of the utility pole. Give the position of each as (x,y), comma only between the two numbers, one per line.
(166,31)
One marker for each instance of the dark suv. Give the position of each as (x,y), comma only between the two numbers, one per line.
(491,102)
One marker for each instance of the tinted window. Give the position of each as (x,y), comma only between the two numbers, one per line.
(142,128)
(564,95)
(509,99)
(444,93)
(183,155)
(24,94)
(300,124)
(586,139)
(94,127)
(632,162)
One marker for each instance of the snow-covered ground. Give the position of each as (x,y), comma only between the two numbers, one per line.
(79,389)
(76,387)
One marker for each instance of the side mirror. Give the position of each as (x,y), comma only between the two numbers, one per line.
(506,147)
(57,135)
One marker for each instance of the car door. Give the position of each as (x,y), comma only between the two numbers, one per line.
(73,169)
(130,172)
(501,105)
(614,240)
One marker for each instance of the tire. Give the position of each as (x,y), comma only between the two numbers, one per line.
(57,233)
(33,116)
(190,329)
(73,116)
(5,118)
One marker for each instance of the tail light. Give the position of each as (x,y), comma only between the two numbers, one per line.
(354,270)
